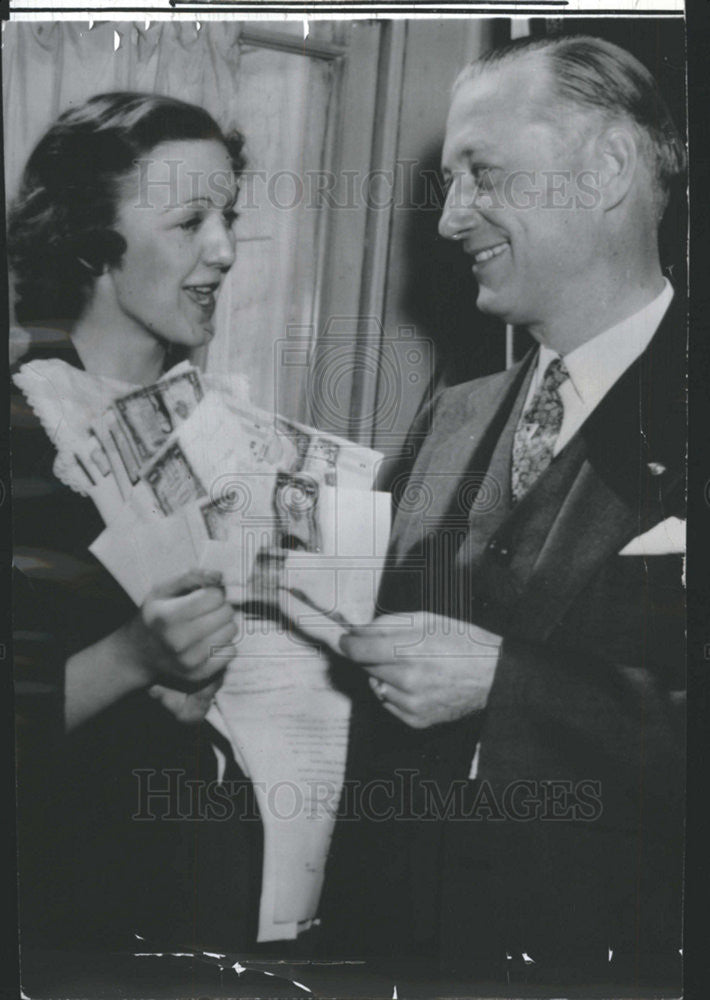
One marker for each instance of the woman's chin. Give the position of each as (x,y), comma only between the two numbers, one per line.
(206,332)
(191,337)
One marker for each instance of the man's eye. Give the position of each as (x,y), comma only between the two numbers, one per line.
(191,223)
(230,216)
(483,177)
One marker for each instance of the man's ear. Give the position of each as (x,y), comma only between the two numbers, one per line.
(617,149)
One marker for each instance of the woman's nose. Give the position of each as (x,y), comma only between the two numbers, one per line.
(219,245)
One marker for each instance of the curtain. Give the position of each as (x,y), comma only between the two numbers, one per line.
(48,67)
(280,100)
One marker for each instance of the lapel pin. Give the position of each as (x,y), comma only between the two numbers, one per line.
(656,469)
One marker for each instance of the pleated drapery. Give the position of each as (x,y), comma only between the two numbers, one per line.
(278,99)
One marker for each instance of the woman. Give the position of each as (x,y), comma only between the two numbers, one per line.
(119,240)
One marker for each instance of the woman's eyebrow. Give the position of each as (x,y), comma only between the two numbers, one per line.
(188,203)
(202,201)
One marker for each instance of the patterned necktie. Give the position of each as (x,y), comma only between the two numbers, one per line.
(535,435)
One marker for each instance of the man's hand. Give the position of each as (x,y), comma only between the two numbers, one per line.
(425,669)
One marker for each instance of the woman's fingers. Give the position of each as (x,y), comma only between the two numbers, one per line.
(194,623)
(162,612)
(184,634)
(210,653)
(186,707)
(186,583)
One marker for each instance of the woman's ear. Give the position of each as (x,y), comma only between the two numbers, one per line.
(94,268)
(617,149)
(98,249)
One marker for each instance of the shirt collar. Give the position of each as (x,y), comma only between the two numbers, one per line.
(598,363)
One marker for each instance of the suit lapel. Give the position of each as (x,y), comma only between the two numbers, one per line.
(592,523)
(452,461)
(620,474)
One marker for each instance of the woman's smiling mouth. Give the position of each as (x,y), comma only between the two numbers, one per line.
(203,295)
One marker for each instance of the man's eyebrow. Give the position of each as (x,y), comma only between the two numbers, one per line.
(477,149)
(470,152)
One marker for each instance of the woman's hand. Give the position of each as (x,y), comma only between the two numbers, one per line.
(187,708)
(182,635)
(185,629)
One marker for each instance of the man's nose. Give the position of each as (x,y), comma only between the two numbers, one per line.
(219,244)
(459,212)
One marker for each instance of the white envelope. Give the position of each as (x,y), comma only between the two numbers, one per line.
(665,538)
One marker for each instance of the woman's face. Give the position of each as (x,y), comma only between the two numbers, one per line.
(176,213)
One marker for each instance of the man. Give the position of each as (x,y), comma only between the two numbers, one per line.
(513,802)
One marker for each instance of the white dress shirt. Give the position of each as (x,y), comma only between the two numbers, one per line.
(596,365)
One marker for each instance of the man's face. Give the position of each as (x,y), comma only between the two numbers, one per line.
(515,200)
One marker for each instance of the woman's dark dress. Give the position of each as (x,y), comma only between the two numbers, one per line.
(90,874)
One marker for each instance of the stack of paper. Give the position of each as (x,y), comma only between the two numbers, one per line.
(187,473)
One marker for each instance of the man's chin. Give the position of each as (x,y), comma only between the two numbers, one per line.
(490,303)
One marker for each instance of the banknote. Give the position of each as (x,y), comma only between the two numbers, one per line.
(224,524)
(108,443)
(123,446)
(98,456)
(216,520)
(294,440)
(267,573)
(321,460)
(331,460)
(151,414)
(296,511)
(173,481)
(180,394)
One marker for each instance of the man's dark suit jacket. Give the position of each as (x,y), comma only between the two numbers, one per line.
(585,715)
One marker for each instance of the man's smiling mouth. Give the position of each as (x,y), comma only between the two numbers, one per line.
(481,256)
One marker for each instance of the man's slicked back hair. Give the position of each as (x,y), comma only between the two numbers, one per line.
(592,75)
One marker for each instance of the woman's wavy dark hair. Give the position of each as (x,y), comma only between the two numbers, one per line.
(60,233)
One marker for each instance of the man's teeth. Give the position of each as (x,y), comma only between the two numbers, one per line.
(484,255)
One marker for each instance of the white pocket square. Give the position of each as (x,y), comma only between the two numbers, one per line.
(663,539)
